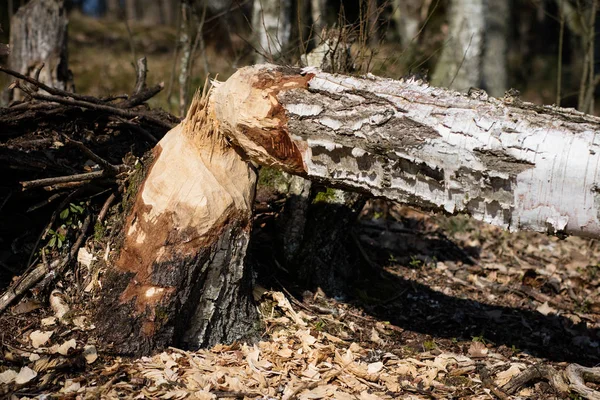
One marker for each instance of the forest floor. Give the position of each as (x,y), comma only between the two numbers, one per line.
(452,308)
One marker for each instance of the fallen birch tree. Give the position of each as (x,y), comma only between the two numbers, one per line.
(179,277)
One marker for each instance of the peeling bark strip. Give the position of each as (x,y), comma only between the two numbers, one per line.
(179,277)
(512,164)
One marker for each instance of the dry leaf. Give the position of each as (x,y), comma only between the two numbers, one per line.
(375,337)
(84,257)
(375,367)
(71,387)
(7,376)
(90,354)
(545,309)
(25,375)
(478,350)
(26,306)
(39,338)
(203,395)
(503,377)
(58,304)
(49,321)
(66,346)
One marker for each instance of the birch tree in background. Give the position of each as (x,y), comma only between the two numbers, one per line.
(459,66)
(494,70)
(272,27)
(407,15)
(475,52)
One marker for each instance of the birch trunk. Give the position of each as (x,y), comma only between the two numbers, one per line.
(508,163)
(272,27)
(459,66)
(178,276)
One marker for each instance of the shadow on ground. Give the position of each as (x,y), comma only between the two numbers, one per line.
(413,306)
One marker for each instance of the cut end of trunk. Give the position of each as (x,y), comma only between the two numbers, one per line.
(253,119)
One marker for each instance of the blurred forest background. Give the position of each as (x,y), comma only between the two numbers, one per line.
(544,49)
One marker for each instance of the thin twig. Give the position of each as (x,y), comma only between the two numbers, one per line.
(140,77)
(106,207)
(139,129)
(101,107)
(142,96)
(51,90)
(63,179)
(112,169)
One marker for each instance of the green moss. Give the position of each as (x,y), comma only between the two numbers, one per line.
(135,181)
(429,345)
(99,231)
(327,196)
(273,178)
(162,316)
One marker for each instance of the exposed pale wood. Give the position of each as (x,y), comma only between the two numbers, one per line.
(508,163)
(179,276)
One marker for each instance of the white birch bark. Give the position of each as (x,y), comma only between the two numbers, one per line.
(508,163)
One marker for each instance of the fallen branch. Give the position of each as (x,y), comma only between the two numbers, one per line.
(101,107)
(64,179)
(111,169)
(578,375)
(42,270)
(535,372)
(488,382)
(51,90)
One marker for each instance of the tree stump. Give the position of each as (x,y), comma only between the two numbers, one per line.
(178,277)
(38,44)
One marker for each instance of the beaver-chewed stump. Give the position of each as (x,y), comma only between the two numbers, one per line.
(178,276)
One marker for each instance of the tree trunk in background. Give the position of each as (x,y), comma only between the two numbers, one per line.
(152,13)
(272,27)
(407,15)
(179,276)
(168,11)
(113,9)
(497,17)
(460,65)
(318,9)
(512,164)
(131,10)
(38,36)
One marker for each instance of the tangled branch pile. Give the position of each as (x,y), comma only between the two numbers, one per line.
(64,158)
